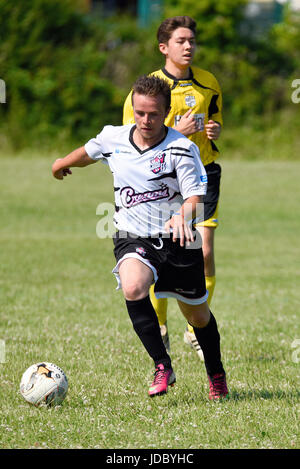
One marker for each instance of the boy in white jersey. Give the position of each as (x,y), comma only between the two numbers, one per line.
(156,169)
(196,112)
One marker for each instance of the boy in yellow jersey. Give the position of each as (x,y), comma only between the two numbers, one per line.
(196,112)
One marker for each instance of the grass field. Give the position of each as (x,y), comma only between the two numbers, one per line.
(58,303)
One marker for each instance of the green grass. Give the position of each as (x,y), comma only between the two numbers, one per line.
(269,137)
(58,303)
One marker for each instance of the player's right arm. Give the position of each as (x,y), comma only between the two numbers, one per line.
(77,158)
(188,124)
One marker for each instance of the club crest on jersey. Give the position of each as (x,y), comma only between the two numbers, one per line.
(190,100)
(158,164)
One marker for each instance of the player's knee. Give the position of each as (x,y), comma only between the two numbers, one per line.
(199,322)
(199,317)
(135,290)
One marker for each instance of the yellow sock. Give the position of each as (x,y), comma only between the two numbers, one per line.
(210,286)
(160,305)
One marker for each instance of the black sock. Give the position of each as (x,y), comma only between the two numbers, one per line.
(146,325)
(209,341)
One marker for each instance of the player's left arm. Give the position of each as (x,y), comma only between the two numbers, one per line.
(180,221)
(192,181)
(213,130)
(214,126)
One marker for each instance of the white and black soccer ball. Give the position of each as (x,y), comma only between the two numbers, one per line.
(44,383)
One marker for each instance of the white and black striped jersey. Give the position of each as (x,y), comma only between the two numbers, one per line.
(151,184)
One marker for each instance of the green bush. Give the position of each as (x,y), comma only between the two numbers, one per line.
(67,71)
(51,64)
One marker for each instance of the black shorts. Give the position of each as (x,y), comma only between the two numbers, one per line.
(178,271)
(213,171)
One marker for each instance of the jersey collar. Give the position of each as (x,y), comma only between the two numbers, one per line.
(149,148)
(172,77)
(177,80)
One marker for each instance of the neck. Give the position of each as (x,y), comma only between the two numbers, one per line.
(144,143)
(176,71)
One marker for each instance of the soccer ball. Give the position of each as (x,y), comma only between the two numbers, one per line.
(44,383)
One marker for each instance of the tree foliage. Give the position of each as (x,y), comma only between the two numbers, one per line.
(67,71)
(51,64)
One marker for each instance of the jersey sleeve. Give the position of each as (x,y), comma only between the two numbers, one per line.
(216,104)
(191,174)
(96,147)
(128,117)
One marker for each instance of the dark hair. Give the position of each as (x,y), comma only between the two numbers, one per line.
(167,27)
(150,85)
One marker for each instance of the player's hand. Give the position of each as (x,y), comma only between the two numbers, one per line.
(213,130)
(58,171)
(180,230)
(188,124)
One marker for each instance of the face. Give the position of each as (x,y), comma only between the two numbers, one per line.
(180,48)
(149,114)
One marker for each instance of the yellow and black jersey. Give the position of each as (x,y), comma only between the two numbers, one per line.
(202,93)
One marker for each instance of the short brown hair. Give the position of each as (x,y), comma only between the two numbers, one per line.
(169,25)
(150,85)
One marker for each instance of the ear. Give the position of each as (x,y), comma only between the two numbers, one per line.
(163,48)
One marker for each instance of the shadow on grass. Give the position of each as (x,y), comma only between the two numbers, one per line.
(262,394)
(191,398)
